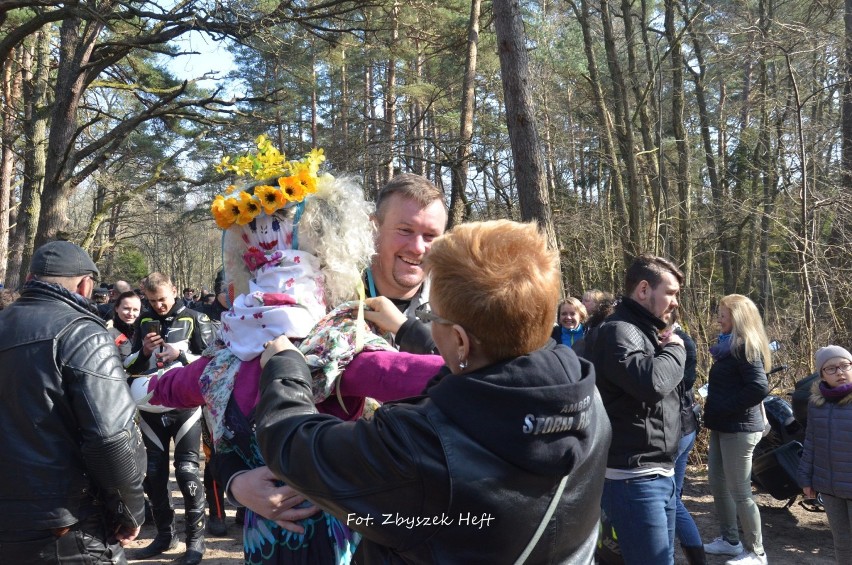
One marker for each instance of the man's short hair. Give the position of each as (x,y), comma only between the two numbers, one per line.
(411,186)
(156,280)
(187,290)
(651,268)
(497,274)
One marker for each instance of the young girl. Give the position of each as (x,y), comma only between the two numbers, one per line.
(824,467)
(570,316)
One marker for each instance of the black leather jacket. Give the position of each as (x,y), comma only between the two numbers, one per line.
(463,474)
(638,380)
(70,443)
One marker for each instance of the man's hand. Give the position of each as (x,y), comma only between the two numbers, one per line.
(257,490)
(277,345)
(671,338)
(151,342)
(125,535)
(384,314)
(809,492)
(169,354)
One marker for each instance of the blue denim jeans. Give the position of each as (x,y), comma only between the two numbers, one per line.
(642,511)
(685,528)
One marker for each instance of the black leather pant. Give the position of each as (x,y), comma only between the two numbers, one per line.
(84,543)
(158,430)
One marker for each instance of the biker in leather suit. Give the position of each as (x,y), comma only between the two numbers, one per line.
(183,335)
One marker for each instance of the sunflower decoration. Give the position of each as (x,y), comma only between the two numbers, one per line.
(295,180)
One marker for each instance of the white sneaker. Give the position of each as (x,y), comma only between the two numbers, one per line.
(747,558)
(721,546)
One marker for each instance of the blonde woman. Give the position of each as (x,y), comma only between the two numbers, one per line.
(734,417)
(570,318)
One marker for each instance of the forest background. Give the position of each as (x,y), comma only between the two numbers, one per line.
(717,133)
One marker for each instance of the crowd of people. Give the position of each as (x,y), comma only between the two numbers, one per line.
(501,437)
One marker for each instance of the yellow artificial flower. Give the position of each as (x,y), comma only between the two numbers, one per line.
(308,181)
(225,211)
(243,166)
(271,198)
(292,188)
(230,188)
(316,158)
(224,164)
(249,207)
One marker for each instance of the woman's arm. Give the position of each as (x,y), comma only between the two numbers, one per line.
(179,387)
(388,375)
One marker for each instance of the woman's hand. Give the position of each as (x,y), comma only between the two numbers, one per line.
(258,490)
(277,345)
(384,314)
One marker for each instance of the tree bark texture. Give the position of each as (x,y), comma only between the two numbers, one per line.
(520,117)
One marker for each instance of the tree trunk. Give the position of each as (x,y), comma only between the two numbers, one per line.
(390,95)
(684,209)
(11,77)
(846,111)
(36,111)
(458,199)
(624,133)
(520,117)
(76,41)
(606,137)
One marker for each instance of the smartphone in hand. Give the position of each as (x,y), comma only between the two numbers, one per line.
(151,326)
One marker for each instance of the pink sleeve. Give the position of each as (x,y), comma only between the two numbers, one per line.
(389,375)
(179,387)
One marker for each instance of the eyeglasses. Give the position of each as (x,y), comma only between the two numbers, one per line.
(427,316)
(843,368)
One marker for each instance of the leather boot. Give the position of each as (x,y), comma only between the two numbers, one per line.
(695,555)
(165,538)
(195,547)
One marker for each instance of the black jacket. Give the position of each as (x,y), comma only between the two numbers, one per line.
(463,474)
(69,438)
(638,380)
(736,389)
(688,420)
(180,324)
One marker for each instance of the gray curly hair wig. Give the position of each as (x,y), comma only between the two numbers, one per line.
(335,227)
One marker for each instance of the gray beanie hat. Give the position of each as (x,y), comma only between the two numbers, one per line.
(823,354)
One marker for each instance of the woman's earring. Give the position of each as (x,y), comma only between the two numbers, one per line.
(463,365)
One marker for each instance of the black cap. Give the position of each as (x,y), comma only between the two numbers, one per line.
(62,259)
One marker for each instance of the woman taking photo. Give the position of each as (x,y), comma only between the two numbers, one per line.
(734,415)
(126,312)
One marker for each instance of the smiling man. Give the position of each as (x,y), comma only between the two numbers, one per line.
(410,214)
(637,376)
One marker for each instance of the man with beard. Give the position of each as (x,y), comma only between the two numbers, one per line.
(410,214)
(637,375)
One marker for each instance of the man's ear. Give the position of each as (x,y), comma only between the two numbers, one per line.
(642,289)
